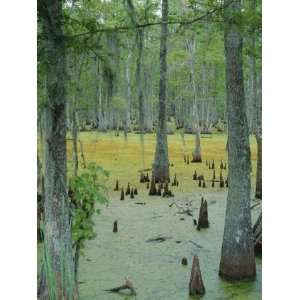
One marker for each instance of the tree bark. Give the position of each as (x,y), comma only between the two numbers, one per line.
(75,139)
(237,258)
(140,93)
(139,82)
(191,45)
(58,263)
(258,187)
(256,102)
(128,94)
(161,160)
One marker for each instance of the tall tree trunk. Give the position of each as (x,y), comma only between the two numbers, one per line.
(258,187)
(237,258)
(140,93)
(256,108)
(161,160)
(75,139)
(58,263)
(128,95)
(77,90)
(191,45)
(139,82)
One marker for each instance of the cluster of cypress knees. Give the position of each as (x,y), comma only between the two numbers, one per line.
(129,191)
(186,159)
(155,188)
(211,165)
(161,189)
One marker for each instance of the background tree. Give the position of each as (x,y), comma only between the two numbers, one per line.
(161,160)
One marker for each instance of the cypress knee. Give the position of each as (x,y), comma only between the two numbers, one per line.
(117,185)
(147,177)
(166,191)
(142,178)
(135,191)
(213,164)
(132,194)
(115,229)
(184,261)
(213,183)
(127,189)
(199,183)
(203,215)
(195,175)
(175,180)
(196,286)
(122,194)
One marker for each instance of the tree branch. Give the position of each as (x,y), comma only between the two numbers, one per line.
(149,24)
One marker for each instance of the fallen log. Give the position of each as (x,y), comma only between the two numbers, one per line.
(159,239)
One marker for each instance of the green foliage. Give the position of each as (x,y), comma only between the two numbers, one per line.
(86,190)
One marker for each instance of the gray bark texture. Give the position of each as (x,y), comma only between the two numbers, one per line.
(58,267)
(191,46)
(258,187)
(139,74)
(256,101)
(161,161)
(128,94)
(237,257)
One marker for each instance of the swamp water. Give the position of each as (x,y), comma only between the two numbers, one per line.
(155,267)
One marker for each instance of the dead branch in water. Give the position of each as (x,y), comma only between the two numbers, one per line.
(195,244)
(187,209)
(127,285)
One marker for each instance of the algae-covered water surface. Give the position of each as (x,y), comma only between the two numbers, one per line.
(155,267)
